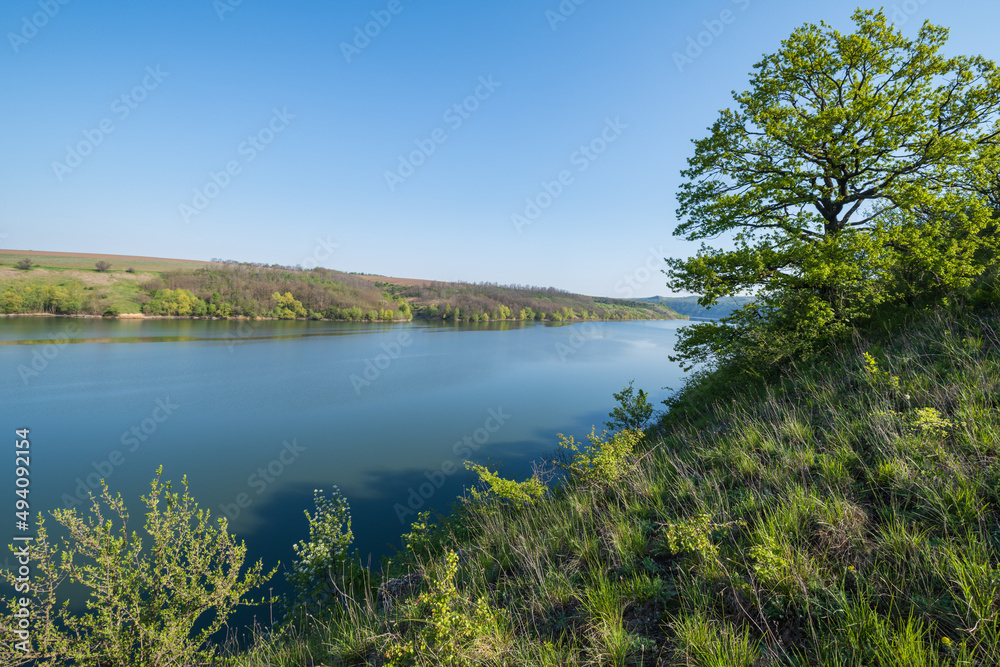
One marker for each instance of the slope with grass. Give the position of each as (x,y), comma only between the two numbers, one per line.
(86,261)
(845,514)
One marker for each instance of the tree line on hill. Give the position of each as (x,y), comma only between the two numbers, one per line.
(491,301)
(252,290)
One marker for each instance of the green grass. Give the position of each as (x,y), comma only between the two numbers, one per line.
(122,292)
(846,515)
(11,257)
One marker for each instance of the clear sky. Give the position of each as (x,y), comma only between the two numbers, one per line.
(281,132)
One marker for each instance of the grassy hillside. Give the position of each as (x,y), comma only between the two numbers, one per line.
(844,515)
(86,261)
(688,305)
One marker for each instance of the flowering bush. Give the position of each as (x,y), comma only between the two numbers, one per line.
(318,559)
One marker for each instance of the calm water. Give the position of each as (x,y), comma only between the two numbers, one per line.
(260,414)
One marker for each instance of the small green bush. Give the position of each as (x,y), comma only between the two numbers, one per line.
(526,492)
(319,561)
(604,460)
(150,602)
(453,624)
(633,412)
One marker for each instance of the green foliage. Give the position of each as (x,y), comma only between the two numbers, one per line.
(851,177)
(633,411)
(286,307)
(151,601)
(453,624)
(876,377)
(424,533)
(526,492)
(506,302)
(929,421)
(24,297)
(605,460)
(175,302)
(320,560)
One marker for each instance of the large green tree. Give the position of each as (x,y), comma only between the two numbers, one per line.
(854,171)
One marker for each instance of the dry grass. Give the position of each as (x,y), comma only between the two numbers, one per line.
(88,278)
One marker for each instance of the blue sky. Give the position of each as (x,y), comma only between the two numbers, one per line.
(282,132)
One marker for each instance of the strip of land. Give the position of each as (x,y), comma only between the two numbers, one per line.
(88,284)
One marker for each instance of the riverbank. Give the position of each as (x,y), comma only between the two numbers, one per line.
(142,316)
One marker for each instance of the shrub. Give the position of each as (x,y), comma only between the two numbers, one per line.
(526,492)
(603,461)
(319,559)
(633,411)
(24,264)
(454,624)
(149,603)
(102,266)
(130,269)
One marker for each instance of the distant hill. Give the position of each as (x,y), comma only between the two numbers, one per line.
(688,305)
(431,299)
(62,283)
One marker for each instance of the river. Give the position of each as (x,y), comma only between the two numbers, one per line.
(258,414)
